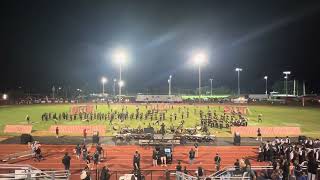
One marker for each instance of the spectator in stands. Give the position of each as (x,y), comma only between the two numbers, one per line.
(105,174)
(178,170)
(200,171)
(217,161)
(297,170)
(66,161)
(185,171)
(237,166)
(167,174)
(247,170)
(312,166)
(191,155)
(85,174)
(179,167)
(154,158)
(136,161)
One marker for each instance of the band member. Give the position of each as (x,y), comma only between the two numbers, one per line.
(84,135)
(57,132)
(28,119)
(260,118)
(259,134)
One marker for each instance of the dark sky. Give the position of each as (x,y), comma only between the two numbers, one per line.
(45,43)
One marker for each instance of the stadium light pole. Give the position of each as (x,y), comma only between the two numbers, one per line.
(286,73)
(211,85)
(103,81)
(121,84)
(238,71)
(120,56)
(266,78)
(199,59)
(169,82)
(114,87)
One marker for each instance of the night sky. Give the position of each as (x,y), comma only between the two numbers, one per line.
(45,43)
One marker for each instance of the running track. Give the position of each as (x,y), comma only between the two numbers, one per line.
(119,158)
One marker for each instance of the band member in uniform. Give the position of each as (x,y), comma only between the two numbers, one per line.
(259,134)
(57,132)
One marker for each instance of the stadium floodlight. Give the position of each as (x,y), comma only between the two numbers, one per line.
(4,96)
(121,83)
(266,78)
(211,85)
(199,59)
(103,81)
(238,71)
(286,73)
(169,82)
(120,56)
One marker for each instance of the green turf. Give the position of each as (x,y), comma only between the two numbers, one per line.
(307,118)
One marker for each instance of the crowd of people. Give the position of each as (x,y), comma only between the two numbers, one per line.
(283,153)
(176,115)
(222,121)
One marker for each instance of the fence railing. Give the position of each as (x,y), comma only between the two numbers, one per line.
(25,171)
(16,155)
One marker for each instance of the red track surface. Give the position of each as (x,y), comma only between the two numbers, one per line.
(119,158)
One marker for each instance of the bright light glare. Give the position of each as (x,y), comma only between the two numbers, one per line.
(120,56)
(238,69)
(265,77)
(121,83)
(104,80)
(200,58)
(4,96)
(286,72)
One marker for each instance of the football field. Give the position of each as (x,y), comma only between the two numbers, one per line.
(307,118)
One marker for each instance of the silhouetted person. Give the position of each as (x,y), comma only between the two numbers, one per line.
(66,161)
(104,175)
